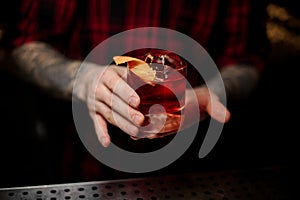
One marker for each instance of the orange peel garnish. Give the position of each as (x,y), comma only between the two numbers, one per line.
(125,59)
(138,67)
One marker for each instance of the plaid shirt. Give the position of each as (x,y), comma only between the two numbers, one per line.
(231,31)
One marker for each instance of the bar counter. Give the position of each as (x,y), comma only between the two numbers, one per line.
(256,184)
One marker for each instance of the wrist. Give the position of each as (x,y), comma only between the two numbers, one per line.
(84,80)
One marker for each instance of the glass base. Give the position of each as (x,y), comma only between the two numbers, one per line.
(160,125)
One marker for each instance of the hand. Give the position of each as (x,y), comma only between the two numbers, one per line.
(109,99)
(207,102)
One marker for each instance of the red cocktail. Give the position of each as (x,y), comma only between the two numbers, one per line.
(162,92)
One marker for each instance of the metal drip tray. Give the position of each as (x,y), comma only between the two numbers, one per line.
(267,184)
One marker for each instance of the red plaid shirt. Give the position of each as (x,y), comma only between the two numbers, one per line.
(231,31)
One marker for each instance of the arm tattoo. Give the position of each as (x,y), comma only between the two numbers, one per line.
(43,65)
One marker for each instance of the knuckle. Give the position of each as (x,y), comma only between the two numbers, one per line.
(108,98)
(97,91)
(108,115)
(111,82)
(114,102)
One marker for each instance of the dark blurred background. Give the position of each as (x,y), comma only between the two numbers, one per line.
(261,133)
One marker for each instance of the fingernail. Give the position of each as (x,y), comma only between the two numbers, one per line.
(104,141)
(134,101)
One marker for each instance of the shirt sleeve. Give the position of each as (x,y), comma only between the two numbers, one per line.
(244,34)
(43,20)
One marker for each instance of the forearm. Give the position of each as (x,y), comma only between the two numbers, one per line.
(41,64)
(239,81)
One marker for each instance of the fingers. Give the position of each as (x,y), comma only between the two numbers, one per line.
(116,119)
(113,80)
(209,103)
(101,129)
(217,110)
(113,100)
(116,96)
(114,103)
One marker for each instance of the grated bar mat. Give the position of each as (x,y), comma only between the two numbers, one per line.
(266,184)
